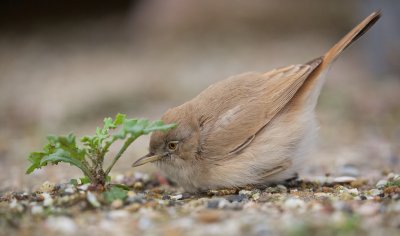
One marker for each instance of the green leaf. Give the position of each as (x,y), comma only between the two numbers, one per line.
(119,119)
(63,156)
(115,193)
(74,182)
(35,158)
(85,180)
(158,126)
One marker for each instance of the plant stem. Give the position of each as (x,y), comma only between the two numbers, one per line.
(121,151)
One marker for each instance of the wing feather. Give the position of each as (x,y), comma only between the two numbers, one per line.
(236,109)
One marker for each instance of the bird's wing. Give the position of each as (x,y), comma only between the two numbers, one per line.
(234,110)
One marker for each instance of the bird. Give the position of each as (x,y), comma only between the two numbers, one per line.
(252,129)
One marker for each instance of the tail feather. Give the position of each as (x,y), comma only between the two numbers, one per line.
(351,37)
(310,90)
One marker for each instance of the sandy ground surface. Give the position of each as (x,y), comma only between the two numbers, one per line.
(67,78)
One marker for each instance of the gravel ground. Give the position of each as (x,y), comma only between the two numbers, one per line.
(324,205)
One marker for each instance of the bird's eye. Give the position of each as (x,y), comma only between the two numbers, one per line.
(172,145)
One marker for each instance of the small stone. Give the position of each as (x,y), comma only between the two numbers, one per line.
(177,197)
(245,193)
(256,196)
(133,207)
(282,188)
(235,198)
(46,187)
(213,204)
(48,200)
(375,192)
(353,191)
(92,199)
(37,210)
(118,203)
(138,186)
(345,196)
(138,198)
(358,183)
(344,179)
(138,175)
(294,203)
(381,183)
(209,216)
(131,193)
(84,187)
(69,190)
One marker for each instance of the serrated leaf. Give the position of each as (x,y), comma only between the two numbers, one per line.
(35,158)
(84,180)
(63,156)
(115,193)
(119,119)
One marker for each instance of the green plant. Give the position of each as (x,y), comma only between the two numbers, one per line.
(89,157)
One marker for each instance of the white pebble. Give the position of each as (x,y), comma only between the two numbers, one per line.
(375,192)
(92,199)
(294,203)
(48,200)
(344,179)
(353,191)
(177,197)
(381,183)
(84,187)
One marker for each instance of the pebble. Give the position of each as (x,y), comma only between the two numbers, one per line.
(46,187)
(293,203)
(353,191)
(92,199)
(177,197)
(69,190)
(246,193)
(256,196)
(118,203)
(381,183)
(344,179)
(48,200)
(213,204)
(375,192)
(84,187)
(133,207)
(138,198)
(138,186)
(235,198)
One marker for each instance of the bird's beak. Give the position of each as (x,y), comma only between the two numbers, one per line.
(146,159)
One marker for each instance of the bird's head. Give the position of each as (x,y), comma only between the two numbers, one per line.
(178,145)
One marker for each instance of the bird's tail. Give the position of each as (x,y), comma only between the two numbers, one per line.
(310,90)
(351,37)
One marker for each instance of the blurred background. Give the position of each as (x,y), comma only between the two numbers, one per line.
(65,65)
